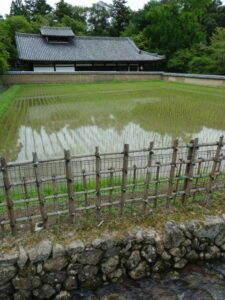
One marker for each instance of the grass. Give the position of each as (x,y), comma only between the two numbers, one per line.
(6,99)
(117,227)
(48,118)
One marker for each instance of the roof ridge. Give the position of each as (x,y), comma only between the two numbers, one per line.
(28,34)
(56,27)
(81,36)
(101,37)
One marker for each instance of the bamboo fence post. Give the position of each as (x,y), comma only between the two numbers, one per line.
(172,173)
(54,189)
(212,177)
(40,190)
(157,183)
(148,177)
(178,180)
(69,181)
(58,207)
(197,179)
(124,178)
(111,191)
(84,176)
(134,180)
(27,203)
(2,229)
(98,183)
(7,188)
(192,152)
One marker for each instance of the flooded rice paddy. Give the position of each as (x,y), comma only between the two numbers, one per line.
(49,118)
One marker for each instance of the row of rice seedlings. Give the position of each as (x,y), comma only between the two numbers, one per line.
(12,129)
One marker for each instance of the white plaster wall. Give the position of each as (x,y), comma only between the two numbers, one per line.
(65,68)
(43,69)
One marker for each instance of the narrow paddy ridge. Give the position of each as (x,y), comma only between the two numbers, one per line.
(50,118)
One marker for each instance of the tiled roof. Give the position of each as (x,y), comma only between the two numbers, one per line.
(56,31)
(33,47)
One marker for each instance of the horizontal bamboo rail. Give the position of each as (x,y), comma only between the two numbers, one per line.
(147,178)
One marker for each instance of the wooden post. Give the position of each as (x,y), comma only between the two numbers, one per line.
(192,151)
(215,165)
(197,179)
(178,180)
(157,183)
(54,190)
(111,191)
(134,180)
(148,176)
(7,188)
(98,183)
(124,178)
(172,174)
(40,190)
(27,203)
(69,181)
(2,229)
(85,187)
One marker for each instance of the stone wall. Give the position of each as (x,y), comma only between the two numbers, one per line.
(53,271)
(11,78)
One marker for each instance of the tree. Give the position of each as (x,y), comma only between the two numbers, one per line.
(170,29)
(181,59)
(4,56)
(214,17)
(212,59)
(99,19)
(63,9)
(30,8)
(42,8)
(79,13)
(10,26)
(77,26)
(17,8)
(120,16)
(218,36)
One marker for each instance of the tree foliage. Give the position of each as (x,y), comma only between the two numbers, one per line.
(191,33)
(120,16)
(99,19)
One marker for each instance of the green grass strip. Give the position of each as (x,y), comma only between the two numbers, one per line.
(6,99)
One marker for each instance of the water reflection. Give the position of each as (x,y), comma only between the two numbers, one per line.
(47,121)
(84,138)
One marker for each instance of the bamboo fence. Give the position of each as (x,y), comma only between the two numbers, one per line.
(91,187)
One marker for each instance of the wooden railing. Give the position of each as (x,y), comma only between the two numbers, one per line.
(93,186)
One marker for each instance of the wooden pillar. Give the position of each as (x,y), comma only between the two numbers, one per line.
(148,176)
(7,187)
(40,190)
(69,180)
(216,164)
(98,183)
(124,178)
(172,174)
(192,151)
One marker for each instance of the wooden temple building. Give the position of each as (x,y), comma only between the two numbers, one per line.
(57,49)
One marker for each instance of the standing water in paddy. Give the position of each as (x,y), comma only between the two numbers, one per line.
(49,118)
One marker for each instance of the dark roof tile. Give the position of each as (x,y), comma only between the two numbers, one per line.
(33,47)
(56,31)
